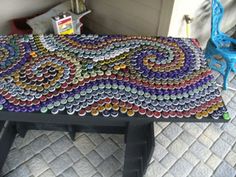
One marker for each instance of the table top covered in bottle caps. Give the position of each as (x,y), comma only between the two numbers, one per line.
(108,76)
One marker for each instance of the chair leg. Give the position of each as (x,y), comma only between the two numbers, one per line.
(227,71)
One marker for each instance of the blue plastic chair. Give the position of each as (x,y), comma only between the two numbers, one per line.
(221,50)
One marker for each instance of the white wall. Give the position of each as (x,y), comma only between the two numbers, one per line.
(140,17)
(200,10)
(10,9)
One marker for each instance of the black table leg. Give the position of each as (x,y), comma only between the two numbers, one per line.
(7,136)
(139,148)
(72,132)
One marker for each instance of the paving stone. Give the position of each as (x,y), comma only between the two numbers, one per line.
(94,158)
(205,140)
(23,171)
(213,161)
(61,145)
(21,142)
(231,76)
(38,133)
(97,175)
(213,132)
(234,98)
(5,170)
(107,148)
(120,155)
(106,136)
(70,173)
(96,138)
(231,158)
(224,170)
(180,124)
(177,148)
(200,151)
(168,175)
(230,129)
(118,139)
(227,95)
(54,136)
(163,140)
(109,166)
(168,160)
(187,138)
(215,74)
(48,155)
(84,168)
(231,112)
(27,152)
(202,125)
(201,170)
(220,125)
(233,121)
(157,129)
(228,138)
(12,174)
(60,164)
(15,158)
(48,173)
(40,143)
(74,154)
(220,148)
(181,168)
(84,144)
(159,151)
(232,83)
(172,131)
(234,147)
(193,129)
(78,134)
(37,165)
(191,158)
(163,124)
(231,104)
(155,169)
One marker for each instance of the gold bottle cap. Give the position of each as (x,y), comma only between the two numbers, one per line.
(123,110)
(130,113)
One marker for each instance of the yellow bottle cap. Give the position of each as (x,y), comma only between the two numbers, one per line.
(130,113)
(123,66)
(94,112)
(117,67)
(123,110)
(101,108)
(108,106)
(198,116)
(115,107)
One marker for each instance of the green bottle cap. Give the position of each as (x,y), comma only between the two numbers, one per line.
(50,106)
(77,96)
(44,109)
(226,116)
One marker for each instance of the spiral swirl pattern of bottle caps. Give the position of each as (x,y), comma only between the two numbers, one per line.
(107,75)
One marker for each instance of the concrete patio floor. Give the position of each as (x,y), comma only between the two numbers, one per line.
(182,150)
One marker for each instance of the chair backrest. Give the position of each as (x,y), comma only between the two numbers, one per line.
(216,18)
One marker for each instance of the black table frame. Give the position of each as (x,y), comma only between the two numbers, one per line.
(138,131)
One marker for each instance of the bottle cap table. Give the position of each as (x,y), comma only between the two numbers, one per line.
(119,81)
